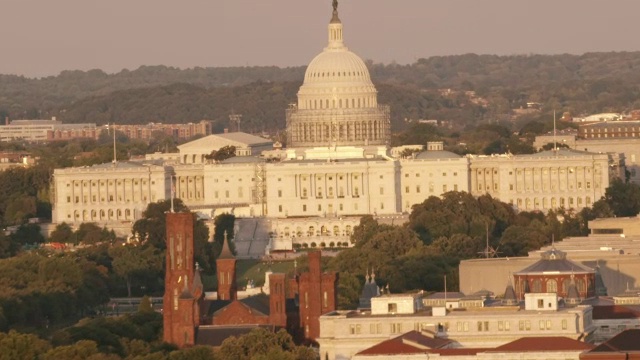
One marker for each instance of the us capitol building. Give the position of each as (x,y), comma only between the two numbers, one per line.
(337,167)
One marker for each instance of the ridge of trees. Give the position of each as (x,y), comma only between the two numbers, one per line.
(588,83)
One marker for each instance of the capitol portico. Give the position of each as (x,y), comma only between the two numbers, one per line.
(336,168)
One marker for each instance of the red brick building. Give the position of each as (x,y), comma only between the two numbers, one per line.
(294,304)
(554,273)
(183,287)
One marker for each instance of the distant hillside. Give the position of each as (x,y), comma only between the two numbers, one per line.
(262,105)
(588,83)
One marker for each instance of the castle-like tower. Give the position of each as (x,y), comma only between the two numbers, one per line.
(226,273)
(182,284)
(337,103)
(317,293)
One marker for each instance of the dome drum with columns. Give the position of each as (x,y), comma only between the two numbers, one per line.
(337,103)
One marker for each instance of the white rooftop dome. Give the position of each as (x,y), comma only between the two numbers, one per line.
(337,72)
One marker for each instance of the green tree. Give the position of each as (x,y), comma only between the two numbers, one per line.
(17,346)
(130,261)
(623,198)
(63,233)
(83,349)
(28,234)
(260,343)
(193,353)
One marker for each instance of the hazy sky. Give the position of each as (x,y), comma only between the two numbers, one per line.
(44,37)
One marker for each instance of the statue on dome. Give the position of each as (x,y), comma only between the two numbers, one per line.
(335,5)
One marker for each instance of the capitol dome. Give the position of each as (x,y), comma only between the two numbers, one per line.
(337,103)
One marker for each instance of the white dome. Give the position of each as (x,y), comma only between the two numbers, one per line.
(337,66)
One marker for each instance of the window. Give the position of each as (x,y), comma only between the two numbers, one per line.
(381,190)
(279,208)
(483,326)
(375,328)
(542,322)
(418,189)
(392,307)
(406,189)
(304,208)
(354,329)
(540,303)
(552,286)
(395,328)
(444,188)
(279,193)
(564,324)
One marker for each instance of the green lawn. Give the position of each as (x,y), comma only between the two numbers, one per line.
(250,269)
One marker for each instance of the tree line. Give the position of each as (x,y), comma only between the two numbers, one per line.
(588,83)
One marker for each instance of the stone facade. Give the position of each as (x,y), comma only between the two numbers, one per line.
(345,333)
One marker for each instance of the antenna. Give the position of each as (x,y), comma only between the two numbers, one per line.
(115,160)
(555,143)
(235,118)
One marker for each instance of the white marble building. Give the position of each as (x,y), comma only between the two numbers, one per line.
(337,167)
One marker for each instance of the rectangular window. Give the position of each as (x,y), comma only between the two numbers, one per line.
(279,208)
(340,206)
(68,199)
(548,324)
(319,207)
(418,189)
(279,193)
(507,326)
(406,189)
(395,328)
(381,190)
(564,324)
(304,208)
(444,188)
(541,324)
(540,303)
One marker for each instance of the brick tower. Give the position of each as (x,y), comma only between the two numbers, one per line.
(180,306)
(226,272)
(277,300)
(317,292)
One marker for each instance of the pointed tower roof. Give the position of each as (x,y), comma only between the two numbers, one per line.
(573,296)
(601,289)
(226,251)
(197,280)
(186,294)
(510,297)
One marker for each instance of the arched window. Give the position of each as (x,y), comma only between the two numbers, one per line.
(312,231)
(537,286)
(565,286)
(552,286)
(286,231)
(347,230)
(336,230)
